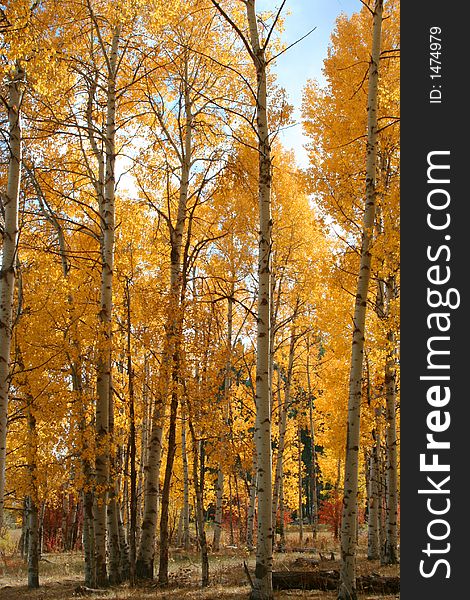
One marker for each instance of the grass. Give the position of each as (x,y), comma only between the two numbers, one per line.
(62,573)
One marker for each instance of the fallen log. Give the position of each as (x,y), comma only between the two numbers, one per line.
(329,580)
(305,580)
(378,584)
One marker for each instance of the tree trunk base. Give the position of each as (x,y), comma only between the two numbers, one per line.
(143,570)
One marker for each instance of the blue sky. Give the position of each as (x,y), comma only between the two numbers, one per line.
(305,60)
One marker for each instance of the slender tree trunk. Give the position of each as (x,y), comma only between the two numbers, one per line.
(112,517)
(89,539)
(145,558)
(262,584)
(227,384)
(337,515)
(32,502)
(64,524)
(88,488)
(282,529)
(103,380)
(218,509)
(164,528)
(179,530)
(176,323)
(33,543)
(300,504)
(198,457)
(347,590)
(381,485)
(373,551)
(10,202)
(125,565)
(184,452)
(114,541)
(132,445)
(283,408)
(313,463)
(390,556)
(144,437)
(76,373)
(241,536)
(251,508)
(230,505)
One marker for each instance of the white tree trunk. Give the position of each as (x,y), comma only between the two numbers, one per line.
(145,557)
(184,452)
(103,381)
(373,551)
(10,202)
(283,408)
(262,584)
(299,489)
(227,383)
(251,507)
(347,590)
(175,324)
(219,491)
(391,545)
(313,465)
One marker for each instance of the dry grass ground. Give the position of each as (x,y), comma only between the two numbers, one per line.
(61,575)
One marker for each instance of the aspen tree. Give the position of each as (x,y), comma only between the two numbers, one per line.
(300,512)
(263,572)
(132,439)
(373,550)
(313,466)
(180,130)
(10,208)
(31,500)
(262,584)
(186,539)
(347,590)
(103,381)
(390,553)
(74,354)
(227,385)
(283,407)
(198,457)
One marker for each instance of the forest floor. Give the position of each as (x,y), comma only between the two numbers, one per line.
(61,575)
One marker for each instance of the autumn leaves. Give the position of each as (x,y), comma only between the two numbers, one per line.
(182,361)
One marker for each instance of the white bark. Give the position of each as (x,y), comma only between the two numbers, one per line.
(313,466)
(262,583)
(32,501)
(391,544)
(252,506)
(227,384)
(347,590)
(184,452)
(283,408)
(300,513)
(176,314)
(103,381)
(218,509)
(10,203)
(373,551)
(145,557)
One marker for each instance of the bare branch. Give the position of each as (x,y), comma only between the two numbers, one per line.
(273,58)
